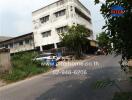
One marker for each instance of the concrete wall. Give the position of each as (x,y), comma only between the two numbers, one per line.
(5,60)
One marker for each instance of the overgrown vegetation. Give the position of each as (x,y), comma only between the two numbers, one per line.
(23,66)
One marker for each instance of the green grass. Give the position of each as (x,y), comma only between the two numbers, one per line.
(23,67)
(123,96)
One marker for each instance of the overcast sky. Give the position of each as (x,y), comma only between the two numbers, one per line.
(16,15)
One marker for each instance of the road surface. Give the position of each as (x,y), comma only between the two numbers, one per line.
(68,84)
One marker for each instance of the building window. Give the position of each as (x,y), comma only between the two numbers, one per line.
(1,46)
(46,34)
(6,46)
(71,8)
(11,45)
(44,19)
(27,41)
(62,29)
(60,13)
(20,43)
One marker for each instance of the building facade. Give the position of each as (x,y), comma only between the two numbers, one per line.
(19,44)
(53,19)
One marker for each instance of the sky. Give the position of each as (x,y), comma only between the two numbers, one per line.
(16,15)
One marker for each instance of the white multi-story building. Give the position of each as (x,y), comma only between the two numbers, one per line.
(53,19)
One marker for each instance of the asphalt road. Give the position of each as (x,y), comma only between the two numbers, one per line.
(68,84)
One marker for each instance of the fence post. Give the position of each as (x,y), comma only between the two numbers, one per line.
(5,60)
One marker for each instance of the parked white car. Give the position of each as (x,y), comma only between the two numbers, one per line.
(47,56)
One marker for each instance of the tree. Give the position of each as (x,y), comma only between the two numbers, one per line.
(103,40)
(119,29)
(75,38)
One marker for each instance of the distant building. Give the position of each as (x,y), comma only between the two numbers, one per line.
(17,44)
(53,19)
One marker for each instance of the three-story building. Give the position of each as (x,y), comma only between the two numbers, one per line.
(53,19)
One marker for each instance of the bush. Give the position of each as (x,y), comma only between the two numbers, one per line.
(23,66)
